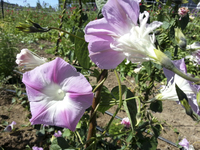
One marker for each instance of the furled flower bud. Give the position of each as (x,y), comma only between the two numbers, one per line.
(180,38)
(198,99)
(183,11)
(10,127)
(29,59)
(188,108)
(31,28)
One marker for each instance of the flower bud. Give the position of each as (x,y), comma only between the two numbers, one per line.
(180,38)
(29,59)
(10,127)
(187,107)
(31,28)
(126,122)
(198,99)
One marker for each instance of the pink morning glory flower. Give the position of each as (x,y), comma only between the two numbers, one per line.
(58,134)
(29,60)
(182,12)
(184,143)
(37,148)
(58,94)
(118,36)
(126,122)
(10,127)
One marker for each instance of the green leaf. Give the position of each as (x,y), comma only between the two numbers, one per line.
(169,3)
(55,147)
(81,50)
(78,126)
(115,91)
(148,65)
(100,3)
(181,94)
(66,133)
(150,143)
(106,98)
(95,73)
(156,129)
(156,106)
(130,107)
(166,25)
(59,143)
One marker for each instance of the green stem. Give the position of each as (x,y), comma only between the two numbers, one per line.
(79,137)
(99,85)
(66,32)
(120,103)
(185,76)
(79,67)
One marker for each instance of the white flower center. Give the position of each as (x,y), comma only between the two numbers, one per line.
(54,92)
(137,45)
(60,94)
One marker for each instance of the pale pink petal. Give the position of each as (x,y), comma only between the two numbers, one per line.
(58,94)
(121,14)
(107,59)
(99,30)
(184,143)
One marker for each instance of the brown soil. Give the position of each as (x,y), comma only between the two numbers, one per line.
(173,117)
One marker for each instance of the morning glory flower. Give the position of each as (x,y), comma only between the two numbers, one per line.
(169,92)
(10,127)
(182,12)
(126,122)
(58,94)
(29,60)
(58,134)
(184,143)
(118,36)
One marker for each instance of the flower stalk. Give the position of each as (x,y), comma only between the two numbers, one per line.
(96,101)
(120,103)
(185,76)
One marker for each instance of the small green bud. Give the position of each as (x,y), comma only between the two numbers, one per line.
(198,99)
(180,38)
(31,28)
(138,118)
(154,120)
(188,108)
